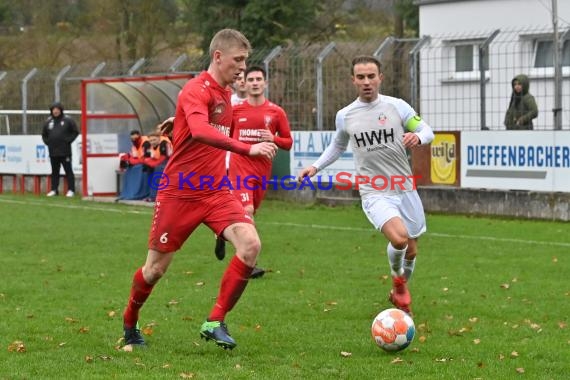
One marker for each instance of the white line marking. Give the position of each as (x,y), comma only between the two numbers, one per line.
(298,225)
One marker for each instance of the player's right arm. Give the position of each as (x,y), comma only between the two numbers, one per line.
(195,107)
(332,153)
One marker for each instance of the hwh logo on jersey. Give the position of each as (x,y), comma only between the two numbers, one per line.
(382,136)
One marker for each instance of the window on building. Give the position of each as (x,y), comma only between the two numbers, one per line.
(544,54)
(467,58)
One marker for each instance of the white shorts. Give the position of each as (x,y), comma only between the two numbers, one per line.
(407,206)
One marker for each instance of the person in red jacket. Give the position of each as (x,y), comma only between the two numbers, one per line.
(192,191)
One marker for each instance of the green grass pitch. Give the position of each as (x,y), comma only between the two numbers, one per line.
(491,297)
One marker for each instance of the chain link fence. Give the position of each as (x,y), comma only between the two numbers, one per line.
(457,82)
(465,80)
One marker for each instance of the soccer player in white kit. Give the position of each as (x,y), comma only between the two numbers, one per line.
(380,128)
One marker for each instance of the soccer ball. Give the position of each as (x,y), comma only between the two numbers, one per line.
(393,330)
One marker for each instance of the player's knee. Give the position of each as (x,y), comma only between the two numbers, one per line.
(399,242)
(153,273)
(252,245)
(248,248)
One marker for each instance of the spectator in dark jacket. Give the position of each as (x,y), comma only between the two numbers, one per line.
(58,133)
(522,108)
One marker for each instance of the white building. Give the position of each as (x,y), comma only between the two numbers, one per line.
(519,34)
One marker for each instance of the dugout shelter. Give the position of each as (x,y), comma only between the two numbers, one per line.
(110,109)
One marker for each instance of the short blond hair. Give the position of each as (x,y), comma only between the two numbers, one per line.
(228,38)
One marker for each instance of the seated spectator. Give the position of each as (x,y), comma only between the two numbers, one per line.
(139,144)
(135,184)
(155,158)
(157,151)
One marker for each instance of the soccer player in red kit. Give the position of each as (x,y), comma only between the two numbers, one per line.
(193,191)
(256,119)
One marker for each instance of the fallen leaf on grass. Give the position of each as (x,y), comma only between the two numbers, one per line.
(147,330)
(505,286)
(200,283)
(562,325)
(501,356)
(476,341)
(396,361)
(17,346)
(554,259)
(71,320)
(187,375)
(172,302)
(89,359)
(165,366)
(111,314)
(520,370)
(422,338)
(473,319)
(514,354)
(345,354)
(84,330)
(128,348)
(62,344)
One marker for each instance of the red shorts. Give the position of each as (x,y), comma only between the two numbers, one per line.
(250,192)
(174,220)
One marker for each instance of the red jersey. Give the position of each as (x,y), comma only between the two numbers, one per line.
(248,120)
(201,134)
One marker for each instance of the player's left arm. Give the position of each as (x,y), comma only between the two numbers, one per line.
(419,132)
(283,137)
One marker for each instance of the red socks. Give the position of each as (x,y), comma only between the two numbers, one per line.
(139,293)
(233,284)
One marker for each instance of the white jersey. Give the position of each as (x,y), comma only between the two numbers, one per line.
(375,131)
(236,100)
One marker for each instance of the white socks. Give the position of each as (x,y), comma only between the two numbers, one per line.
(396,260)
(409,268)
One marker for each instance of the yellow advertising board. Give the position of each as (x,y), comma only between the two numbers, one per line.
(443,159)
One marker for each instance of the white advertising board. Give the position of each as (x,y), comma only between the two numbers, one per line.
(308,146)
(516,160)
(27,154)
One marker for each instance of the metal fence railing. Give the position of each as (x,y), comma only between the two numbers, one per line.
(457,82)
(465,80)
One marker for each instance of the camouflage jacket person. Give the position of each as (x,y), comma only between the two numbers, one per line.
(522,108)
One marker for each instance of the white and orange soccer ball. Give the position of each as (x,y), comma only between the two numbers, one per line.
(393,330)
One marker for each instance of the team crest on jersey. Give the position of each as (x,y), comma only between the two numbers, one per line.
(267,120)
(382,119)
(218,109)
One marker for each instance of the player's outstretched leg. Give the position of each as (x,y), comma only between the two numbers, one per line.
(218,332)
(220,249)
(400,295)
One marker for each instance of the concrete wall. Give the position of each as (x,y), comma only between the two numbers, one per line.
(452,200)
